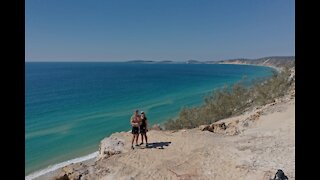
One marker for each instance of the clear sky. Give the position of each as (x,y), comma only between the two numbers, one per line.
(119,30)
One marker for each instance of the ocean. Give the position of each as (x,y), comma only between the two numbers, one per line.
(71,106)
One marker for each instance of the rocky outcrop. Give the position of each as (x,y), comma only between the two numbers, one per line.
(221,127)
(232,128)
(204,127)
(110,146)
(63,177)
(156,127)
(218,127)
(256,115)
(74,171)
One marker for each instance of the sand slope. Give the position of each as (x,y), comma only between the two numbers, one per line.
(256,153)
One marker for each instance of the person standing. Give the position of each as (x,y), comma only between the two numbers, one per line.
(135,122)
(144,128)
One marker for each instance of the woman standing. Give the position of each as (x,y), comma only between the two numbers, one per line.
(144,128)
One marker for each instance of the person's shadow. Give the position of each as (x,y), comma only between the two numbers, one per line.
(158,145)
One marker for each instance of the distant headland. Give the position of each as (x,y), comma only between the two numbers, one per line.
(276,61)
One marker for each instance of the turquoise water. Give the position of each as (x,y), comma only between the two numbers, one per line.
(71,107)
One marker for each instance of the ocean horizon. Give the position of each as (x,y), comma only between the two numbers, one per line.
(71,106)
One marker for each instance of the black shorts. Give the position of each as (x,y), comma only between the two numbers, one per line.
(143,130)
(135,130)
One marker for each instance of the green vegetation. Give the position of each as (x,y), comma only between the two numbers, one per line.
(231,101)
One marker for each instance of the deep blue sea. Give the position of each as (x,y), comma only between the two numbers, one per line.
(71,107)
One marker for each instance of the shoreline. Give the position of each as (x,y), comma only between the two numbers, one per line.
(55,167)
(278,69)
(52,169)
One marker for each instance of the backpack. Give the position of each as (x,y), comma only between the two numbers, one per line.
(280,175)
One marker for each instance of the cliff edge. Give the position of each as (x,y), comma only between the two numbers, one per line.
(253,145)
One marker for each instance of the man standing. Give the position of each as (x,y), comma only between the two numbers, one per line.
(135,123)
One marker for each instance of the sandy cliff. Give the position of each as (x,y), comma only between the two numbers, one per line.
(250,146)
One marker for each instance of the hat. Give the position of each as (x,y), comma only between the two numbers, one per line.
(142,112)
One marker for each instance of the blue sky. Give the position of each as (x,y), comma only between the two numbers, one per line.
(119,30)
